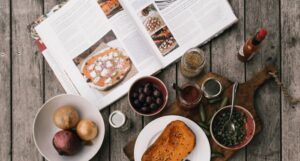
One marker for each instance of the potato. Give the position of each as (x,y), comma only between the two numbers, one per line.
(87,130)
(66,117)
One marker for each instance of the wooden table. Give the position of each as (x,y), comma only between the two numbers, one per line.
(26,80)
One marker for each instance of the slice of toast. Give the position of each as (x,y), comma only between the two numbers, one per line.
(174,144)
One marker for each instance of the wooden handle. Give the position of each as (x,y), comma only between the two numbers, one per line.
(261,77)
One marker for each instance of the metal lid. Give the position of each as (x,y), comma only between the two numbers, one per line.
(209,93)
(117,119)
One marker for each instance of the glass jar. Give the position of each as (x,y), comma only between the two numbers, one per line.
(118,120)
(189,96)
(192,62)
(211,88)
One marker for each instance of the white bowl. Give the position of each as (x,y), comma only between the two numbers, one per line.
(44,129)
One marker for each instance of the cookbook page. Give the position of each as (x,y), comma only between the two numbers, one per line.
(174,26)
(99,47)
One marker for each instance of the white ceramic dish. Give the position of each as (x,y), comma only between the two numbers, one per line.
(152,131)
(44,128)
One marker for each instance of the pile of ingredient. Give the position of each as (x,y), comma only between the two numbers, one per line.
(147,98)
(227,137)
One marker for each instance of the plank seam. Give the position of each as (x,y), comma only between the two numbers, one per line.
(43,70)
(245,65)
(280,71)
(11,79)
(210,55)
(109,138)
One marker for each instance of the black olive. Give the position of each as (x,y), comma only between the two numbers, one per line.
(153,107)
(147,91)
(144,110)
(159,101)
(148,100)
(149,85)
(156,93)
(136,103)
(140,89)
(153,99)
(142,97)
(146,104)
(135,95)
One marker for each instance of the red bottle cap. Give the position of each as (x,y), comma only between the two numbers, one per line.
(262,33)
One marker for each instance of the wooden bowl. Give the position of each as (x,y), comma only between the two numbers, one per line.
(158,84)
(249,125)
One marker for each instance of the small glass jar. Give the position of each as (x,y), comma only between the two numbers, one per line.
(118,120)
(211,88)
(189,96)
(192,62)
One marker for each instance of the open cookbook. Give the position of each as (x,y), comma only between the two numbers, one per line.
(98,48)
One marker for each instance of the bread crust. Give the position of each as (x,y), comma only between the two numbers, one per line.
(174,144)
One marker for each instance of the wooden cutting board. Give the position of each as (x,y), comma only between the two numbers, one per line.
(245,98)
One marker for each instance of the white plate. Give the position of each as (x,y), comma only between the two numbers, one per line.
(44,129)
(151,132)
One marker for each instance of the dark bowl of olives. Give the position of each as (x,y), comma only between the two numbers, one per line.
(226,137)
(148,96)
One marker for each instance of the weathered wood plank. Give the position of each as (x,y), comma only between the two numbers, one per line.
(224,54)
(27,80)
(290,31)
(5,78)
(168,76)
(265,13)
(104,152)
(119,139)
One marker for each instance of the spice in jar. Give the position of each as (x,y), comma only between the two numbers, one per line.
(192,62)
(189,96)
(118,120)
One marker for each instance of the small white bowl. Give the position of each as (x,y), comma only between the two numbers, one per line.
(44,129)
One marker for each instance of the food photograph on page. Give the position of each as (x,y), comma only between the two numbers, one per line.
(165,41)
(110,7)
(105,64)
(162,4)
(151,19)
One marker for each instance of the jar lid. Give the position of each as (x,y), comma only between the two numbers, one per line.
(198,58)
(117,119)
(211,88)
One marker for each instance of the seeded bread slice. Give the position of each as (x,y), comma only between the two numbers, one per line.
(174,144)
